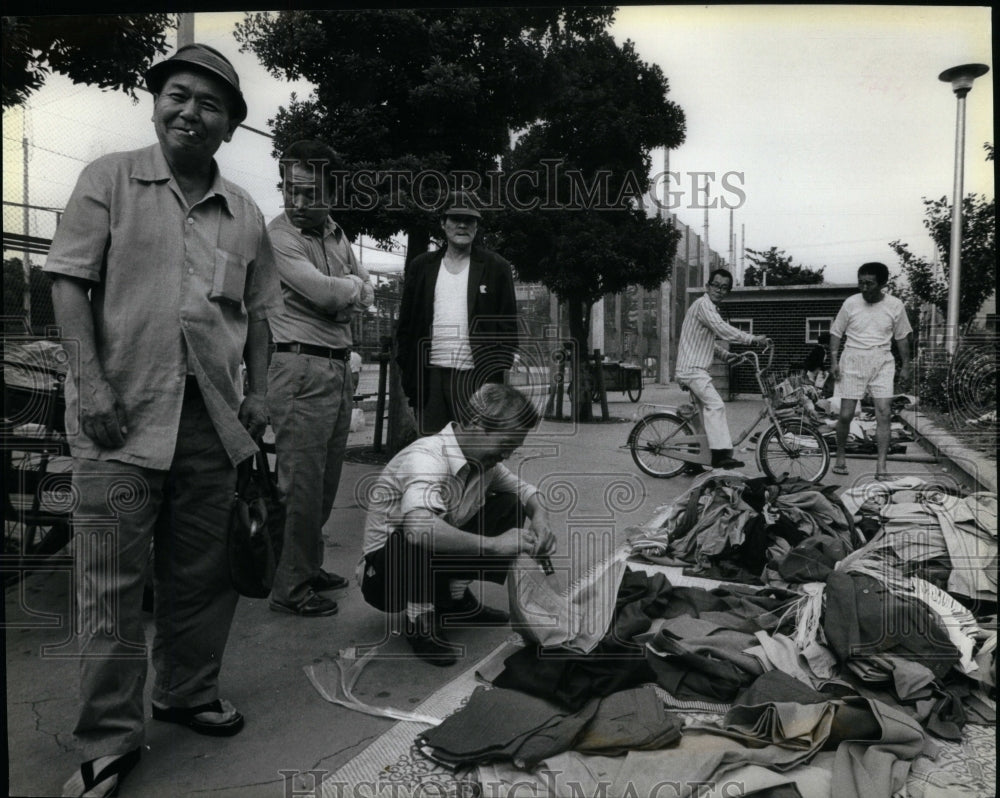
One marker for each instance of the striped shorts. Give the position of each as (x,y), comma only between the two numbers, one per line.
(866,369)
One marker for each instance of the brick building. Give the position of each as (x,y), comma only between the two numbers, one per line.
(793,316)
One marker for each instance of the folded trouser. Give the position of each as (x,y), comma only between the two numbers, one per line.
(183,515)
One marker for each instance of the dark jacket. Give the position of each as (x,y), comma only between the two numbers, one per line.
(492,317)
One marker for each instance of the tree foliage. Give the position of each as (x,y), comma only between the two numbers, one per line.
(920,281)
(411,91)
(778,269)
(112,52)
(587,233)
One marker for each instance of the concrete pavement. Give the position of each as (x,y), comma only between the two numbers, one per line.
(594,487)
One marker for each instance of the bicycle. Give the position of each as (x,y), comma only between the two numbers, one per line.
(664,442)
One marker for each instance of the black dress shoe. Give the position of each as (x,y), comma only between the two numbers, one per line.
(429,642)
(468,610)
(316,606)
(723,458)
(328,581)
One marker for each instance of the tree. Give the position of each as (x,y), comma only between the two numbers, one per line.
(580,227)
(411,99)
(978,275)
(774,267)
(112,52)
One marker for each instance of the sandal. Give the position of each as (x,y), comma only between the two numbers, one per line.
(840,469)
(229,723)
(85,783)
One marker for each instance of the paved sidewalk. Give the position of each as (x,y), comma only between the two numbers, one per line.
(595,487)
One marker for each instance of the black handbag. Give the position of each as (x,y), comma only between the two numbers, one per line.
(256,528)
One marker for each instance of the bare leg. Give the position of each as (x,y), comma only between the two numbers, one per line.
(883,428)
(847,407)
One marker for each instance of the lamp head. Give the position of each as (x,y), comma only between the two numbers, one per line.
(961,77)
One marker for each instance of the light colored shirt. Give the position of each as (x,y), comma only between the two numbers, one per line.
(864,325)
(702,326)
(450,327)
(173,290)
(433,474)
(322,283)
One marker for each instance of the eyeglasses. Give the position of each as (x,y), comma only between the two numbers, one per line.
(720,286)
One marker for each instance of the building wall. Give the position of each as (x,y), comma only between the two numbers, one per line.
(781,313)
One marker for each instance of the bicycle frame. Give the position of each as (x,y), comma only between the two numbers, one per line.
(682,447)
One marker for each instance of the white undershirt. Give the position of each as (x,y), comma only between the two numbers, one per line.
(450,328)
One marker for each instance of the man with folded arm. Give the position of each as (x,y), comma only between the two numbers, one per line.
(311,392)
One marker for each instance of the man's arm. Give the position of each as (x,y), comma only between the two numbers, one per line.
(834,359)
(329,294)
(903,344)
(424,528)
(253,412)
(102,415)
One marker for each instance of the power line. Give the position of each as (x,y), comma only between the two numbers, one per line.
(46,149)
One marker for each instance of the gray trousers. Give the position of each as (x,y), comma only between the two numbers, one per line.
(309,401)
(183,515)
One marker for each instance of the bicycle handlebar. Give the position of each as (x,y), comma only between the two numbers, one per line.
(752,357)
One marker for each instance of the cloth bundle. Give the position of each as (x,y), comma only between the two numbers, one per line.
(507,725)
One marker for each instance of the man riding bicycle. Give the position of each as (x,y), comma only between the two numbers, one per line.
(702,326)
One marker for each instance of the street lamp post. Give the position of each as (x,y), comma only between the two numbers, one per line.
(961,79)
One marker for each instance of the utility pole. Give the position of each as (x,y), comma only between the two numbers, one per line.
(27,227)
(707,267)
(185,29)
(743,251)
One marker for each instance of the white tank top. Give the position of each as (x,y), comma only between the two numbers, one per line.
(450,329)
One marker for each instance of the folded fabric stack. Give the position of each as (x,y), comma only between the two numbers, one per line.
(507,725)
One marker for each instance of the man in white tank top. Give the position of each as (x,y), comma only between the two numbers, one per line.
(457,325)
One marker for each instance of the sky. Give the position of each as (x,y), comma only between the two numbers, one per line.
(830,120)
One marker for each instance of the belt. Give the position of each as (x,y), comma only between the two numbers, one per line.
(316,351)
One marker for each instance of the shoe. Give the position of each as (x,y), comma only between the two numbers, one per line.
(840,469)
(693,469)
(468,610)
(429,643)
(316,606)
(85,782)
(328,581)
(723,458)
(216,719)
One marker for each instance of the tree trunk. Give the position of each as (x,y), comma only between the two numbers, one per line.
(402,423)
(579,332)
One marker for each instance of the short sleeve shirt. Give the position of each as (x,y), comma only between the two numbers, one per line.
(433,474)
(173,290)
(865,325)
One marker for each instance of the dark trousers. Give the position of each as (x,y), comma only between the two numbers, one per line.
(446,398)
(402,572)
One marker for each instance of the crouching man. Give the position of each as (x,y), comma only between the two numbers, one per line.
(446,511)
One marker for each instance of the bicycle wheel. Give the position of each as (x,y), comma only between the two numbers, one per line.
(649,443)
(635,391)
(797,450)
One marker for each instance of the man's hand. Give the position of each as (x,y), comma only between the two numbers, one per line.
(544,536)
(834,369)
(253,414)
(102,415)
(761,340)
(905,372)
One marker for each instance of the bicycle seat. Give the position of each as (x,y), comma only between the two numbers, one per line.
(684,387)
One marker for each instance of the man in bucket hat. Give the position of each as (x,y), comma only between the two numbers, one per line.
(163,279)
(457,326)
